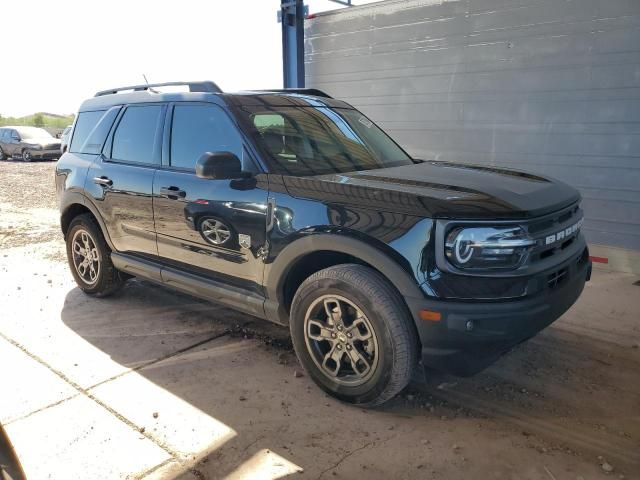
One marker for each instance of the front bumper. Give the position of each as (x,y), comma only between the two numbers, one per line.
(472,335)
(45,154)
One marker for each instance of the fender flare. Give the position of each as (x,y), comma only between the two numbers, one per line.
(76,198)
(276,273)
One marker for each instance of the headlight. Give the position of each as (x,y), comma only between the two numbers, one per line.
(487,247)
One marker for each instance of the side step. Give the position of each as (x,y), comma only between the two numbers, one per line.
(205,288)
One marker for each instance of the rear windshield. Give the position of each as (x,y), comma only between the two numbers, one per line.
(306,141)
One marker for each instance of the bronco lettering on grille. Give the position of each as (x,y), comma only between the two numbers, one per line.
(561,235)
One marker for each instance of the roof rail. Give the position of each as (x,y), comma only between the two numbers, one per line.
(206,86)
(303,91)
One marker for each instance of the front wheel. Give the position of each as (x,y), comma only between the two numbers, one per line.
(353,334)
(90,258)
(26,156)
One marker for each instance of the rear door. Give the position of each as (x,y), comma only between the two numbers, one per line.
(3,140)
(13,142)
(120,182)
(215,228)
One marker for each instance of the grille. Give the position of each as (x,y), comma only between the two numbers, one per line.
(551,226)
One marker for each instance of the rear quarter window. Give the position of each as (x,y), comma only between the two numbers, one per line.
(84,125)
(98,135)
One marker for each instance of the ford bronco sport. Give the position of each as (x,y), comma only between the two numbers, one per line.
(292,206)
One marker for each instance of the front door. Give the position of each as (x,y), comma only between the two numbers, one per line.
(120,182)
(215,228)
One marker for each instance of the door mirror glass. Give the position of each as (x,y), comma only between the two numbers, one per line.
(219,166)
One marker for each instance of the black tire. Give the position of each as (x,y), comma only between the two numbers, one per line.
(2,155)
(26,155)
(108,279)
(386,313)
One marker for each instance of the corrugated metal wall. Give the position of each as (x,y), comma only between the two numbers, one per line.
(548,86)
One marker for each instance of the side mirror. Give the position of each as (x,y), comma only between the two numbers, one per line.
(219,166)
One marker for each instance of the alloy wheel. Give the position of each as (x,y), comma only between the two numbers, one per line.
(341,340)
(26,156)
(86,258)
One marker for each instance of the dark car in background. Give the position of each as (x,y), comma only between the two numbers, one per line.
(28,143)
(294,207)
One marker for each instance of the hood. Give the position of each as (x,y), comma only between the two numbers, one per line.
(44,141)
(441,190)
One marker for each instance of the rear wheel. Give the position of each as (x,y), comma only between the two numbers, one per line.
(26,155)
(90,258)
(2,155)
(352,333)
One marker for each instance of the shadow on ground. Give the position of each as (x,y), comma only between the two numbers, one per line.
(560,396)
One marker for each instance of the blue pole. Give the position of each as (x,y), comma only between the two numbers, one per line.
(292,17)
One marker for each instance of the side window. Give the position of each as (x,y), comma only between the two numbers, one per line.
(84,124)
(135,138)
(2,132)
(197,129)
(98,135)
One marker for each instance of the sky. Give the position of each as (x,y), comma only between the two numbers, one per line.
(73,48)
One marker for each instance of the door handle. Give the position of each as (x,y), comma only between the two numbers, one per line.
(172,192)
(104,181)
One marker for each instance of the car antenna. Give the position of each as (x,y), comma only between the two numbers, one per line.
(147,82)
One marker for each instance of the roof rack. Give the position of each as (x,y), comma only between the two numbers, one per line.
(303,91)
(206,87)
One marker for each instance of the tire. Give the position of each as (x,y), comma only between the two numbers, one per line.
(2,155)
(26,155)
(107,279)
(371,308)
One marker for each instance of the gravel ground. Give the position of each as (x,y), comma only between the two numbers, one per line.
(565,405)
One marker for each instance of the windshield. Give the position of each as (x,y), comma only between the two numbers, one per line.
(33,132)
(320,140)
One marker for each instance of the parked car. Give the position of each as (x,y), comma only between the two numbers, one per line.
(64,138)
(28,143)
(292,206)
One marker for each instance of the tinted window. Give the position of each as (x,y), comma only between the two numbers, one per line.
(2,132)
(85,123)
(197,129)
(320,140)
(135,136)
(99,133)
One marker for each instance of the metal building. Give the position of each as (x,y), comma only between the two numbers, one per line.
(547,86)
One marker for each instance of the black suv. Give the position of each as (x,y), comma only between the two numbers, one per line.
(294,207)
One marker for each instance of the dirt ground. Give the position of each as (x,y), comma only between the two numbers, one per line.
(154,384)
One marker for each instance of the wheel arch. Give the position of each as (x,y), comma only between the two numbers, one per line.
(75,205)
(312,253)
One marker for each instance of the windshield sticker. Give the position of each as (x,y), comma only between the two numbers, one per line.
(365,121)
